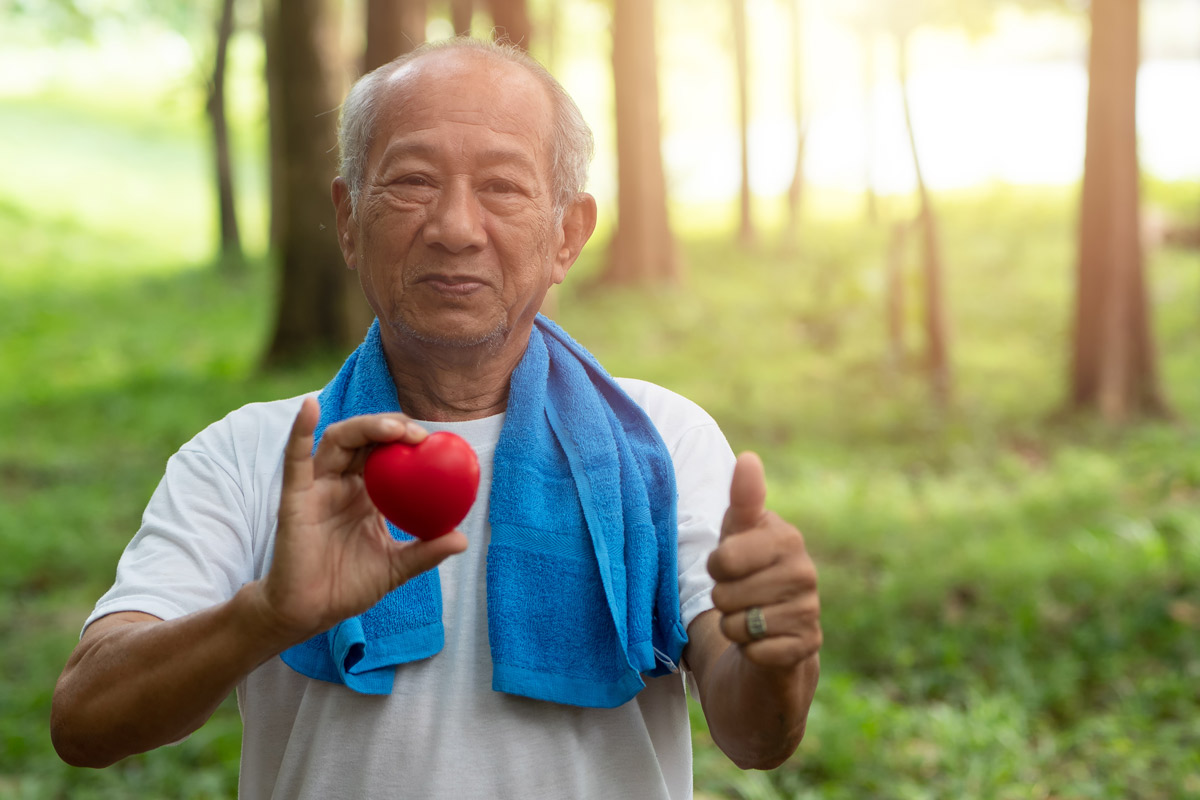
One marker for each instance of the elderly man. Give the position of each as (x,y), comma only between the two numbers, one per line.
(538,651)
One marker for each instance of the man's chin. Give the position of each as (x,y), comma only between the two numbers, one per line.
(452,337)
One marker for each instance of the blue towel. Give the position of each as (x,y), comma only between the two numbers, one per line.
(582,587)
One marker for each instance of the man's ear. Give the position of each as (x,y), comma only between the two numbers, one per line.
(345,218)
(579,221)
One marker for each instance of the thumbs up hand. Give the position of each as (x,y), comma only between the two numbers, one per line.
(766,583)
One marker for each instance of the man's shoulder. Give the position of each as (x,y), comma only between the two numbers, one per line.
(672,413)
(255,426)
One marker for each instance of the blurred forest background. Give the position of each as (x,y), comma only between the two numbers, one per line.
(937,260)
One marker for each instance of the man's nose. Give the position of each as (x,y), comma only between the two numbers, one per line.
(456,221)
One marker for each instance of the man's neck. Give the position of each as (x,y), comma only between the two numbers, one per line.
(444,384)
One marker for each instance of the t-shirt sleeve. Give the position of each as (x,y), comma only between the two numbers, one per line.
(703,469)
(193,549)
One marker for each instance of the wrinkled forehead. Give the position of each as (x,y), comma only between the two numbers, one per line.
(470,87)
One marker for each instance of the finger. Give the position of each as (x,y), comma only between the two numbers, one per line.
(798,619)
(783,652)
(341,446)
(747,495)
(411,558)
(297,453)
(779,583)
(737,557)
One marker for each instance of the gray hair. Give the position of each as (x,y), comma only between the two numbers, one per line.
(571,144)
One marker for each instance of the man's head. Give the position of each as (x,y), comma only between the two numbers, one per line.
(461,198)
(572,143)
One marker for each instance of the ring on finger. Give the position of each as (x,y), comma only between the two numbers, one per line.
(756,624)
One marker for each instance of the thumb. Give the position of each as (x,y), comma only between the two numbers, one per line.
(297,453)
(413,557)
(747,495)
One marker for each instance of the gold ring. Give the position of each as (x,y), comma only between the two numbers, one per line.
(756,625)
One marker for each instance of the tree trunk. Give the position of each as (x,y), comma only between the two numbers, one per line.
(305,82)
(746,232)
(461,12)
(394,27)
(894,295)
(1114,370)
(549,37)
(872,128)
(795,193)
(275,126)
(642,249)
(937,354)
(510,19)
(230,255)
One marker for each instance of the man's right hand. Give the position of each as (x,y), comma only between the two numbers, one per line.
(136,682)
(334,557)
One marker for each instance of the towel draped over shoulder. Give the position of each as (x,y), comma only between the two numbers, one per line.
(582,584)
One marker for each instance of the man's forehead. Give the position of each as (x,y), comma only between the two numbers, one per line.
(468,86)
(439,69)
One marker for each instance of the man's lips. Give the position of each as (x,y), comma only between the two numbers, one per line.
(452,284)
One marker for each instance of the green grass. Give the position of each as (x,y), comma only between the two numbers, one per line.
(1011,601)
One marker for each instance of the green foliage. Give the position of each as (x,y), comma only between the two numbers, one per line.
(53,18)
(1010,598)
(51,21)
(1011,601)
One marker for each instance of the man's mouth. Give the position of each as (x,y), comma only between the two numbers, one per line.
(457,285)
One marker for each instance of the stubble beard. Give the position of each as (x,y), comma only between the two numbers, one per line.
(488,341)
(485,343)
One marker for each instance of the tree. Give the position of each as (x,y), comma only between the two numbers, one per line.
(746,234)
(230,257)
(894,294)
(937,336)
(53,21)
(316,295)
(901,18)
(461,12)
(511,21)
(871,199)
(795,193)
(642,249)
(394,27)
(549,36)
(1114,370)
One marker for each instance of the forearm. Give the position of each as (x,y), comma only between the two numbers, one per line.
(137,685)
(756,715)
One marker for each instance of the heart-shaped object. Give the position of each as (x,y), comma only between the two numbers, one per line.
(424,489)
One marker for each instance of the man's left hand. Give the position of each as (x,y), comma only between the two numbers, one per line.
(766,583)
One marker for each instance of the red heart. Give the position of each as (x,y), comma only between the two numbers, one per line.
(424,489)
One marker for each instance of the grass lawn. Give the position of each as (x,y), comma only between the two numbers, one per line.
(1011,601)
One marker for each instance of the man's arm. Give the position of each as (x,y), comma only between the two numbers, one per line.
(756,692)
(136,682)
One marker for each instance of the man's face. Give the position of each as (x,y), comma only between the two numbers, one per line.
(454,236)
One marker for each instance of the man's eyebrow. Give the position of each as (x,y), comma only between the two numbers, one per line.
(505,155)
(490,157)
(406,149)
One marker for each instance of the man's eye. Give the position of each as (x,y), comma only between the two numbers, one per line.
(414,180)
(502,187)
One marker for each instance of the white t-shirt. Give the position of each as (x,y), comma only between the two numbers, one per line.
(442,732)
